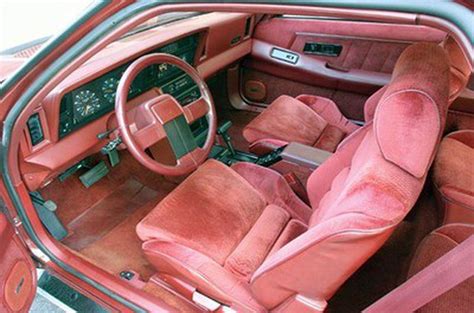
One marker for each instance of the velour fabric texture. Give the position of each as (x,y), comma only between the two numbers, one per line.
(371,104)
(358,195)
(255,246)
(293,229)
(329,138)
(269,131)
(274,189)
(459,67)
(210,231)
(310,120)
(439,242)
(453,176)
(329,111)
(413,109)
(212,203)
(286,119)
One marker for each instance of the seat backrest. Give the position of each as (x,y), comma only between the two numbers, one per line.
(367,187)
(460,72)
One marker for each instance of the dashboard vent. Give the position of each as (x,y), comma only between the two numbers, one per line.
(35,129)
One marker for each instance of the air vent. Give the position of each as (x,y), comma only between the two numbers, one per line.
(247,26)
(35,129)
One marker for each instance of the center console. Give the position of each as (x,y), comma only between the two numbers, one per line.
(227,154)
(304,155)
(295,153)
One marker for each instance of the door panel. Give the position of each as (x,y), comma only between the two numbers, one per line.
(348,102)
(356,53)
(367,56)
(17,271)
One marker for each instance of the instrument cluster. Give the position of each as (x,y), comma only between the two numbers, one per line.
(96,98)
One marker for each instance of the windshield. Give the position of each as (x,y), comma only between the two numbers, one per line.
(23,22)
(26,25)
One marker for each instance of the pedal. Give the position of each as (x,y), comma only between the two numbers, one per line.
(73,169)
(94,174)
(46,212)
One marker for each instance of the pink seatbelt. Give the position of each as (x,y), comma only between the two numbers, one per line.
(440,276)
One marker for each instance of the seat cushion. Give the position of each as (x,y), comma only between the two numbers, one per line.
(286,119)
(274,189)
(453,177)
(310,120)
(211,211)
(439,242)
(328,110)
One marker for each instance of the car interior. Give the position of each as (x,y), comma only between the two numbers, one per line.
(256,162)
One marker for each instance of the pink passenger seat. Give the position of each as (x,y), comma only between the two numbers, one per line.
(311,120)
(240,236)
(317,121)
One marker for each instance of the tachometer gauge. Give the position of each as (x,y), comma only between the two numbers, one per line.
(109,89)
(86,103)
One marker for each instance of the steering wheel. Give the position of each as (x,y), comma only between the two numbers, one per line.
(163,117)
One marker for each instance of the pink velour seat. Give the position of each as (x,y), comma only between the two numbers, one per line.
(241,236)
(435,245)
(316,121)
(453,177)
(307,119)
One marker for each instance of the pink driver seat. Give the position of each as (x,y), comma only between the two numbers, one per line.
(241,237)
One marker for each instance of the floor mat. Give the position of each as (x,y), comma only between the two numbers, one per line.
(102,217)
(120,249)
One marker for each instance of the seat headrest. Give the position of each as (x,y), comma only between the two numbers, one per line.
(412,112)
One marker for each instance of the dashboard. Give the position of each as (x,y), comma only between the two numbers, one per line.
(63,127)
(94,99)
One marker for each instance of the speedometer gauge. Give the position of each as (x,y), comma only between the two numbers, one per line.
(86,103)
(109,89)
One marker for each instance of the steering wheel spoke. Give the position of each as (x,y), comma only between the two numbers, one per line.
(149,135)
(191,159)
(195,110)
(163,117)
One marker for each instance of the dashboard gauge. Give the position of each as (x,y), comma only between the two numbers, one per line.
(109,89)
(162,70)
(86,103)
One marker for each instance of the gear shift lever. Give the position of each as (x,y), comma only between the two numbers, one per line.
(222,131)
